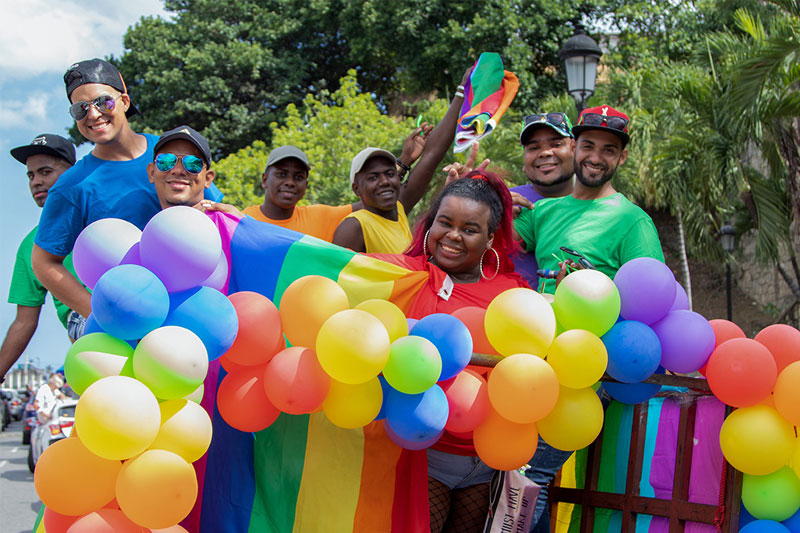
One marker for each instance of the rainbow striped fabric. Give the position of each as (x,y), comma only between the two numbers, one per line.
(303,473)
(487,95)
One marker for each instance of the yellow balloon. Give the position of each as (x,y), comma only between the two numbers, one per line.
(575,421)
(523,388)
(578,357)
(353,406)
(156,489)
(353,346)
(306,304)
(392,317)
(117,417)
(185,429)
(794,459)
(757,440)
(520,321)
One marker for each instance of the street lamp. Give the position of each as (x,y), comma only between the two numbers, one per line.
(727,238)
(580,55)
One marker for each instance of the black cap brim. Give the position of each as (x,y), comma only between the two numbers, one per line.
(22,153)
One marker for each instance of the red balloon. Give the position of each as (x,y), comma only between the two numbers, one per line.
(724,330)
(56,522)
(468,397)
(741,372)
(295,382)
(242,402)
(260,333)
(783,342)
(472,317)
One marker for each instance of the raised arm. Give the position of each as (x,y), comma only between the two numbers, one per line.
(440,140)
(19,335)
(51,272)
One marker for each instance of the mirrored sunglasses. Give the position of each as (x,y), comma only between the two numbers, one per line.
(103,104)
(166,162)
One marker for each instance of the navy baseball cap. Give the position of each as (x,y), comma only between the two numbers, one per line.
(558,122)
(187,134)
(96,71)
(46,143)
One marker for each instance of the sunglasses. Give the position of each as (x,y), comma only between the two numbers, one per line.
(166,162)
(596,119)
(104,104)
(585,263)
(559,120)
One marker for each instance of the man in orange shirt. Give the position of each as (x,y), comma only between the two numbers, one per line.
(285,180)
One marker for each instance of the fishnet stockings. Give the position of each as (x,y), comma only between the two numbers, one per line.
(459,511)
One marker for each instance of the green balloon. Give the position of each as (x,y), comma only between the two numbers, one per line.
(95,356)
(414,365)
(587,299)
(775,496)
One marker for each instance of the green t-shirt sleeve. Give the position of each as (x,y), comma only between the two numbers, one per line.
(523,224)
(641,240)
(25,289)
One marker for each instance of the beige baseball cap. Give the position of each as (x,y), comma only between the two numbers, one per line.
(363,156)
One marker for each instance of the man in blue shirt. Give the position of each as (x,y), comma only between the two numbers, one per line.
(111,181)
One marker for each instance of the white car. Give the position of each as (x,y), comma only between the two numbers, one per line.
(58,427)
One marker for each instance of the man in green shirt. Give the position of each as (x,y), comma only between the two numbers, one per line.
(46,158)
(595,220)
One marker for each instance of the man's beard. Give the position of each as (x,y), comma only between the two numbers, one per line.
(594,183)
(545,184)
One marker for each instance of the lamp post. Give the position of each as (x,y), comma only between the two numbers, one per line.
(727,238)
(580,55)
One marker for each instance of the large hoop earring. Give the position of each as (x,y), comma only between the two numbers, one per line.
(497,268)
(425,244)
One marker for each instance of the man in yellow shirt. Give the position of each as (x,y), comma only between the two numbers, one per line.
(285,180)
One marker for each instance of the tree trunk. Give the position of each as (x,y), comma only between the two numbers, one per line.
(687,279)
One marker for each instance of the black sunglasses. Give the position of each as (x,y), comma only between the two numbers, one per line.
(585,263)
(596,119)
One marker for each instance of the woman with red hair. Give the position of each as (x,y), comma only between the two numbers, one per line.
(464,243)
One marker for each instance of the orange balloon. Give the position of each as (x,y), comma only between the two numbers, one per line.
(741,372)
(505,445)
(306,304)
(71,480)
(260,334)
(105,521)
(242,402)
(295,382)
(468,397)
(156,489)
(575,421)
(177,528)
(724,330)
(473,318)
(523,388)
(783,342)
(787,393)
(56,522)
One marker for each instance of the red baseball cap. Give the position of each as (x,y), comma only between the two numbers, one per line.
(606,118)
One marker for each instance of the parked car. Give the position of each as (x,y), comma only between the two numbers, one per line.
(58,427)
(5,414)
(15,403)
(29,419)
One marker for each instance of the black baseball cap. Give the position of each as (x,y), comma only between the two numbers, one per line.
(46,143)
(187,134)
(96,71)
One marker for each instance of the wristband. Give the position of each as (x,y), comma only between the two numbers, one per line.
(402,165)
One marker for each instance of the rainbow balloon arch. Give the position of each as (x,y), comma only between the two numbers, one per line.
(524,367)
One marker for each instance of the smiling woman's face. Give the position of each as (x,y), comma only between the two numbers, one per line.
(459,236)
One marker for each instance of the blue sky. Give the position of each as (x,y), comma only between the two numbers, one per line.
(40,39)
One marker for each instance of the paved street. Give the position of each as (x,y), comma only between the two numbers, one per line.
(19,505)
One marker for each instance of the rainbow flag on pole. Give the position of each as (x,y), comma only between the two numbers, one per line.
(303,473)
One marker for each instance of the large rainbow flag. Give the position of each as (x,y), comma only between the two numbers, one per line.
(303,473)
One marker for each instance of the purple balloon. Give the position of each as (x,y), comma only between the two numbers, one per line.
(411,444)
(681,302)
(687,340)
(646,289)
(219,278)
(132,256)
(101,246)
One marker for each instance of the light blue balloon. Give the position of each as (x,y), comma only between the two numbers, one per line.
(764,526)
(207,313)
(417,417)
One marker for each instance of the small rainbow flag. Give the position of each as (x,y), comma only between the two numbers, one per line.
(487,95)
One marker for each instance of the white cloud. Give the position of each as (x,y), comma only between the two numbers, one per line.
(43,36)
(25,113)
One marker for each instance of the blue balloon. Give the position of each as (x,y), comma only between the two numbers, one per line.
(451,337)
(92,326)
(209,314)
(792,523)
(129,301)
(632,393)
(411,445)
(634,351)
(764,526)
(417,417)
(386,388)
(745,517)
